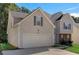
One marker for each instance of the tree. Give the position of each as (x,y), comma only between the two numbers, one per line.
(4,7)
(23,9)
(76,19)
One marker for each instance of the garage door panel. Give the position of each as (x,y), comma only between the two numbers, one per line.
(36,40)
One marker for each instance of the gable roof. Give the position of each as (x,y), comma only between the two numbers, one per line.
(59,17)
(34,12)
(67,15)
(48,15)
(18,16)
(56,16)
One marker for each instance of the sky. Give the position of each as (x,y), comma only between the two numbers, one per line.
(72,8)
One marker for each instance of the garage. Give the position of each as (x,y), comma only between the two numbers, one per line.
(36,40)
(34,30)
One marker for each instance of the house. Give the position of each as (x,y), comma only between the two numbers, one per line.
(30,30)
(39,29)
(64,27)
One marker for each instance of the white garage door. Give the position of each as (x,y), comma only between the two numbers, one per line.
(36,40)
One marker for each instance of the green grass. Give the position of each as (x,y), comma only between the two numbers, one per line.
(6,46)
(74,48)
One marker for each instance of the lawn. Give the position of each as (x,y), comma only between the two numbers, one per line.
(74,48)
(6,46)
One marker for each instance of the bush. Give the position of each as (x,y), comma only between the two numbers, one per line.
(69,43)
(6,46)
(3,37)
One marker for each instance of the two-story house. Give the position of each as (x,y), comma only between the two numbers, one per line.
(39,28)
(64,27)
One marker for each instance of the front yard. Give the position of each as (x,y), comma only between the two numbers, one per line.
(6,46)
(74,48)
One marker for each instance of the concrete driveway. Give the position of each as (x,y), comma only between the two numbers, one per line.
(38,51)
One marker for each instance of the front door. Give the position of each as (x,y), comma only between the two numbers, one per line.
(64,38)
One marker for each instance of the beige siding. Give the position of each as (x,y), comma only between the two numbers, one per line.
(12,32)
(13,36)
(75,34)
(67,20)
(10,22)
(25,35)
(57,29)
(30,35)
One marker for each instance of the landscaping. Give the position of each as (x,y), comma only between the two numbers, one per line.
(6,46)
(74,48)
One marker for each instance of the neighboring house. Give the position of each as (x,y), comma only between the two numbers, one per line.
(64,28)
(40,29)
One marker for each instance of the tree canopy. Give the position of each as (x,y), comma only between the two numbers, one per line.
(76,19)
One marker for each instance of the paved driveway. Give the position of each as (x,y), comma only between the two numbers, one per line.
(38,51)
(0,53)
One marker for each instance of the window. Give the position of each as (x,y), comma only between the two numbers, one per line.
(41,21)
(38,21)
(34,20)
(67,26)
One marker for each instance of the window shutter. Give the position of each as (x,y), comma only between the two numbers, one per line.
(69,26)
(41,21)
(34,20)
(64,26)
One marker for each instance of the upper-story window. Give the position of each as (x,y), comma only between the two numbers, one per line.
(38,20)
(67,26)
